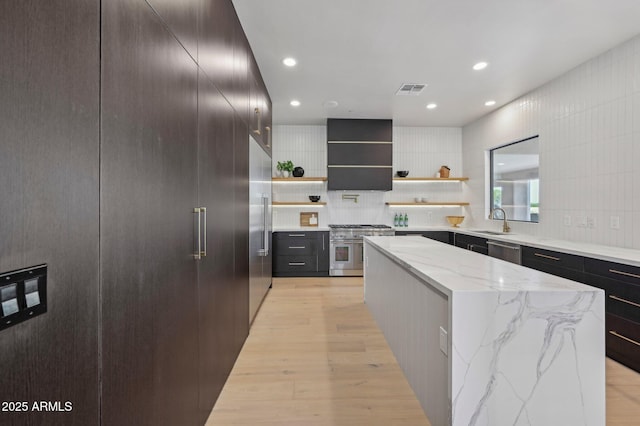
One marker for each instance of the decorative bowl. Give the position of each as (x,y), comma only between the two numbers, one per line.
(314,198)
(402,173)
(455,220)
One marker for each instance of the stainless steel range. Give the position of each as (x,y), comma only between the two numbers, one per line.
(345,243)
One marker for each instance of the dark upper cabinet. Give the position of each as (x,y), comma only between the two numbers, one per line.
(182,20)
(49,213)
(148,191)
(217,40)
(259,108)
(359,154)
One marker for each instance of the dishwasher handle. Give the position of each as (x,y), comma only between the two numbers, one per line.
(507,246)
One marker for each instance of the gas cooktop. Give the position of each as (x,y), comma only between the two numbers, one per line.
(360,226)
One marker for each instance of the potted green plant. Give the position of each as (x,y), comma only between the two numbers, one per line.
(285,167)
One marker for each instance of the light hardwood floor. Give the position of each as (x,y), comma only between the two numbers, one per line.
(315,356)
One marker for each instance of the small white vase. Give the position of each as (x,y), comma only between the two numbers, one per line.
(285,174)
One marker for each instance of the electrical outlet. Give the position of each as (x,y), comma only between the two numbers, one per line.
(567,220)
(429,217)
(582,222)
(591,222)
(615,222)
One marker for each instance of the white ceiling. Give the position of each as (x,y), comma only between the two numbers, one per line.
(359,52)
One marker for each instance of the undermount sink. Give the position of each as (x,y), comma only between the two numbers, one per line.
(491,232)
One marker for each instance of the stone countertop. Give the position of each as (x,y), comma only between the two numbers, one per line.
(608,253)
(451,269)
(300,228)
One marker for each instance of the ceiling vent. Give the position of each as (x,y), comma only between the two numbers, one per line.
(410,89)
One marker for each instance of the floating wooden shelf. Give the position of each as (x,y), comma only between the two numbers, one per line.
(409,203)
(296,203)
(300,179)
(432,179)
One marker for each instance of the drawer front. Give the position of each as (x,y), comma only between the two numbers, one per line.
(623,299)
(470,242)
(295,263)
(294,235)
(616,271)
(623,341)
(570,274)
(443,236)
(552,258)
(294,246)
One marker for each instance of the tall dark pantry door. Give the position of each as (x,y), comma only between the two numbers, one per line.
(148,193)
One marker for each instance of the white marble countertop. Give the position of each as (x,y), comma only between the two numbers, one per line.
(609,253)
(451,269)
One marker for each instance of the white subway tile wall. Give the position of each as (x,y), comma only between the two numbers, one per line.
(421,150)
(589,126)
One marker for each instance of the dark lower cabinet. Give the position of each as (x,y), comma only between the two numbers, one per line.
(470,242)
(563,265)
(621,284)
(148,191)
(301,254)
(442,236)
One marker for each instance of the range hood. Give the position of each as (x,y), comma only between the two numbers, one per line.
(359,154)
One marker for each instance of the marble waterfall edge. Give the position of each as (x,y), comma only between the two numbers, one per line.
(528,358)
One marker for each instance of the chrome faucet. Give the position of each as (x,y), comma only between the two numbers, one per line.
(505,224)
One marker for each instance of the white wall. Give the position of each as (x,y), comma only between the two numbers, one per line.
(421,150)
(589,126)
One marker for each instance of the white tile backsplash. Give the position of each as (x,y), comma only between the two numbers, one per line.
(589,126)
(421,150)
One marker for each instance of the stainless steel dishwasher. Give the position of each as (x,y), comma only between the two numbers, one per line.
(505,251)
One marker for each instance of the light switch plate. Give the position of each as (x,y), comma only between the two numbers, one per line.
(567,220)
(444,341)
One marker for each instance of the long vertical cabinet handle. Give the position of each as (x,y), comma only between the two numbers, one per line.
(257,112)
(203,253)
(198,254)
(268,129)
(265,204)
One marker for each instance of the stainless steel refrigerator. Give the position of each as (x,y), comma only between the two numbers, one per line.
(259,226)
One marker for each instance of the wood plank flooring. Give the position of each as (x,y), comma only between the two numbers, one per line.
(316,357)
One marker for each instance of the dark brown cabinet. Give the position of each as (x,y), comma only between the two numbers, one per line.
(49,180)
(301,254)
(149,298)
(260,108)
(118,119)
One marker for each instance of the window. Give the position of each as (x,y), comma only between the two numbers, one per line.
(515,180)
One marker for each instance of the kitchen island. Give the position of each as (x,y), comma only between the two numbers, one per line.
(487,342)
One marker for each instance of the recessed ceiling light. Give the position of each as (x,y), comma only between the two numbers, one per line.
(480,66)
(330,104)
(294,103)
(500,164)
(290,62)
(490,103)
(432,106)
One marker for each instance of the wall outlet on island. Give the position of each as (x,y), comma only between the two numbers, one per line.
(615,222)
